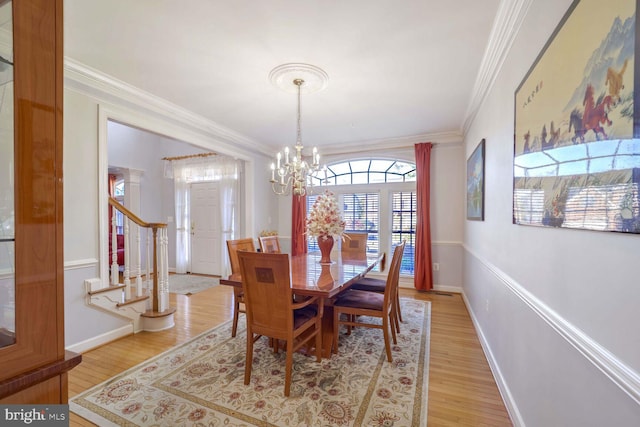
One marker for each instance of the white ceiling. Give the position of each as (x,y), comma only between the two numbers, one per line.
(396,68)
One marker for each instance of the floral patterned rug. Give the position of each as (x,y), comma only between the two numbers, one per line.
(201,383)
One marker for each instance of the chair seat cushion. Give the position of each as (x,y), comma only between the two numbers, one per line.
(303,315)
(370,284)
(360,299)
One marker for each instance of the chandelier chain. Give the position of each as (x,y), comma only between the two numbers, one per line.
(299,83)
(295,174)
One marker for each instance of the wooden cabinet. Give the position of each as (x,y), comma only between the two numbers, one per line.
(34,367)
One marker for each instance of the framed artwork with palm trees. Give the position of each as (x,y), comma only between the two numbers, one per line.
(475,183)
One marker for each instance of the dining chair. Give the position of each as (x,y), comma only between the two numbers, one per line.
(233,247)
(272,311)
(269,244)
(354,242)
(357,304)
(373,284)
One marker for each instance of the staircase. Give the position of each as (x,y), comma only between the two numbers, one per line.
(145,302)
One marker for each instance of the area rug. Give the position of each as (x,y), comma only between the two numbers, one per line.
(201,383)
(188,284)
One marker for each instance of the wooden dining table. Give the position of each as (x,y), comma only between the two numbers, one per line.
(311,278)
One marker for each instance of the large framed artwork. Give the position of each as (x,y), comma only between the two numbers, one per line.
(577,152)
(475,183)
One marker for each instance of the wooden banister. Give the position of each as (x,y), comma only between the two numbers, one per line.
(154,226)
(133,217)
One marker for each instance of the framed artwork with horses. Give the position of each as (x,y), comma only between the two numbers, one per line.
(577,128)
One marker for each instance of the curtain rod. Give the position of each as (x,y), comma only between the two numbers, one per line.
(191,156)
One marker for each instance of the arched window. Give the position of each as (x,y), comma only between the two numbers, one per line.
(377,196)
(373,171)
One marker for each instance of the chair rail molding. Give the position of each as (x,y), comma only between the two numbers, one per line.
(616,370)
(78,264)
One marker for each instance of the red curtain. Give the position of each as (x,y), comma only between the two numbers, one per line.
(112,184)
(422,264)
(112,189)
(298,228)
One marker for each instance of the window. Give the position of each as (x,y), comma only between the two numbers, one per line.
(362,213)
(366,172)
(403,205)
(377,196)
(118,194)
(312,244)
(118,191)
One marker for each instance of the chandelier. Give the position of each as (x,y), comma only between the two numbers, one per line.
(292,171)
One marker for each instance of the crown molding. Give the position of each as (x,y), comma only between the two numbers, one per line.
(94,83)
(511,14)
(438,138)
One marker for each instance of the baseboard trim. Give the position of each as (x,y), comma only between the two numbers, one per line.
(505,392)
(617,371)
(99,340)
(446,288)
(409,284)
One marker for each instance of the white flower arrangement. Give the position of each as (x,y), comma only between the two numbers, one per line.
(325,218)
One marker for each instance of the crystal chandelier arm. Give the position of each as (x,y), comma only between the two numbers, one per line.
(284,187)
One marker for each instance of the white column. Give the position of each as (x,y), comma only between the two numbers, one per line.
(138,257)
(149,283)
(115,274)
(131,179)
(127,281)
(163,267)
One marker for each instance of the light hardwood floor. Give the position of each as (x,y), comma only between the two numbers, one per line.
(462,391)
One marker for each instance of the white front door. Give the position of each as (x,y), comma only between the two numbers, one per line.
(206,231)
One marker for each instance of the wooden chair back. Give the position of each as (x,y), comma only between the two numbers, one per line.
(393,278)
(358,305)
(233,246)
(355,242)
(269,244)
(272,312)
(266,285)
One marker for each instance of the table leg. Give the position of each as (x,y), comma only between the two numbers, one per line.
(327,331)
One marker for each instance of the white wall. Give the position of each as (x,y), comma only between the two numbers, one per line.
(556,309)
(85,130)
(81,253)
(132,148)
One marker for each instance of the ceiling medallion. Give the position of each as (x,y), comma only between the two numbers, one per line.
(315,79)
(293,172)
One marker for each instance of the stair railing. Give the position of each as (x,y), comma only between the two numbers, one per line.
(158,243)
